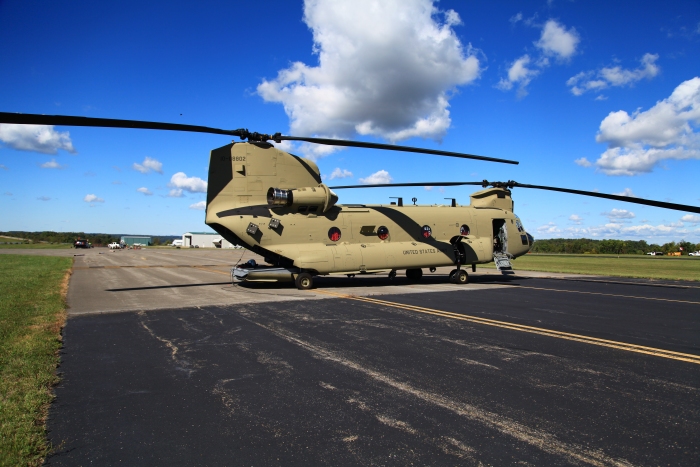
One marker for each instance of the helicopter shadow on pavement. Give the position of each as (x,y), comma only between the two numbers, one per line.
(372,281)
(173,286)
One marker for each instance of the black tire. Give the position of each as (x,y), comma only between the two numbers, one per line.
(461,277)
(452,276)
(304,281)
(414,274)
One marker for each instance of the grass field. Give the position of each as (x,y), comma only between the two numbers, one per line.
(685,268)
(38,246)
(32,312)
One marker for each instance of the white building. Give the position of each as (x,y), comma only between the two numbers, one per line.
(205,240)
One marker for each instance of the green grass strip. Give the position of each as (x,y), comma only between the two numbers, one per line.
(32,313)
(38,246)
(685,268)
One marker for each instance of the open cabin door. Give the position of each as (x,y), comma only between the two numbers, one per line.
(500,247)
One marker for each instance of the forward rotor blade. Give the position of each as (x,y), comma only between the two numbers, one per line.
(391,147)
(626,199)
(66,120)
(384,185)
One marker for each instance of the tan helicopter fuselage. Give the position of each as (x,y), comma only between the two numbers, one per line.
(274,204)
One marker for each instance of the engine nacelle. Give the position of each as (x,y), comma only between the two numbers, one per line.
(304,200)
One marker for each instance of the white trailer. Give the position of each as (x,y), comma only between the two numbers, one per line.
(205,240)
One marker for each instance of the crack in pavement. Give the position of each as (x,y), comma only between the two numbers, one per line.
(542,440)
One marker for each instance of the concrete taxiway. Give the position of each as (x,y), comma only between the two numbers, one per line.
(166,363)
(119,280)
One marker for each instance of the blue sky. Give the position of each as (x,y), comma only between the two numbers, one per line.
(588,95)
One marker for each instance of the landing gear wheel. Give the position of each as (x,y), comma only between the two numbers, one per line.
(304,281)
(453,274)
(461,277)
(414,274)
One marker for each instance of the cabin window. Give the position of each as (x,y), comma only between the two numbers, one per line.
(334,234)
(302,208)
(313,208)
(382,233)
(426,231)
(464,230)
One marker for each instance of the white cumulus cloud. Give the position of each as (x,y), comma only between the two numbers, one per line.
(145,191)
(613,76)
(180,181)
(626,192)
(576,219)
(661,232)
(52,164)
(639,142)
(384,68)
(515,18)
(200,206)
(93,199)
(149,164)
(377,178)
(37,138)
(520,74)
(557,41)
(693,219)
(583,162)
(549,228)
(617,214)
(340,173)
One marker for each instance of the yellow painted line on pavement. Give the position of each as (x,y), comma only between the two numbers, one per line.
(212,270)
(530,329)
(606,294)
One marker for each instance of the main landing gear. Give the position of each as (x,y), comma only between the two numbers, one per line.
(414,275)
(304,281)
(459,276)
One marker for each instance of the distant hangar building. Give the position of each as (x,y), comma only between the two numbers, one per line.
(205,240)
(130,240)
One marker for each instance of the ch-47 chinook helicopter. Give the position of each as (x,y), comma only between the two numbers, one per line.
(275,204)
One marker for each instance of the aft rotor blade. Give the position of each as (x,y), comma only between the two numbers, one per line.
(512,184)
(384,185)
(626,199)
(391,147)
(66,120)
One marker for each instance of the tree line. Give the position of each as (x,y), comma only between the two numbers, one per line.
(553,245)
(617,247)
(97,239)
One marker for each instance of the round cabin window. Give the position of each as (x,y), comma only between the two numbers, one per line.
(334,234)
(382,233)
(464,230)
(426,231)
